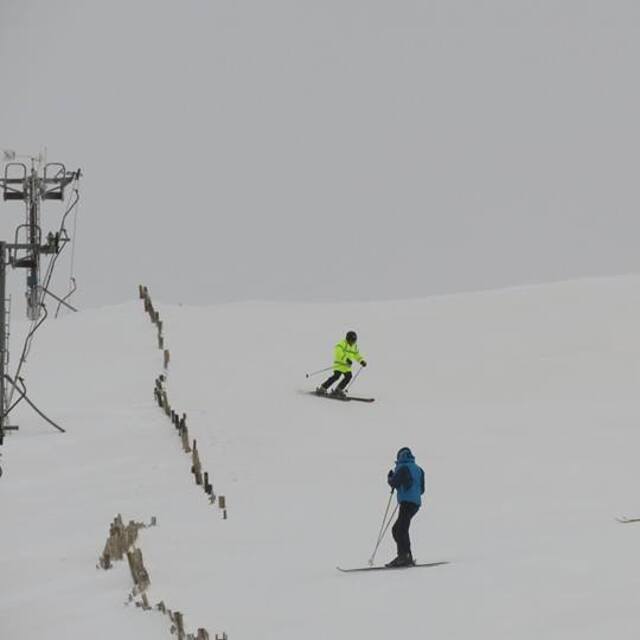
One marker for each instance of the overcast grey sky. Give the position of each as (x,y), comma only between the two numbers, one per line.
(331,149)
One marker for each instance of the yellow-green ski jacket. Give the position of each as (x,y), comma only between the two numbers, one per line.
(343,355)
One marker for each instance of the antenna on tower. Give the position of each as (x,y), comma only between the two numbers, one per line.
(31,180)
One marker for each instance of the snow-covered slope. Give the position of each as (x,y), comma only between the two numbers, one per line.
(521,405)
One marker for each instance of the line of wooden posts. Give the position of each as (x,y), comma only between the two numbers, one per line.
(122,538)
(122,542)
(179,421)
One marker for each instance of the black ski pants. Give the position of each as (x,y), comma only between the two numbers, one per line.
(335,376)
(400,529)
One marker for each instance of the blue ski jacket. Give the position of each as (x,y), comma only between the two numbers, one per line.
(407,478)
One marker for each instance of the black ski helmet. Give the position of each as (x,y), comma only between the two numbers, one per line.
(352,337)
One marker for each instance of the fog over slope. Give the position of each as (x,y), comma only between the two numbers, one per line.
(331,151)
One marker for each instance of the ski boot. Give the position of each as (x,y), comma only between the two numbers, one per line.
(402,560)
(321,391)
(339,393)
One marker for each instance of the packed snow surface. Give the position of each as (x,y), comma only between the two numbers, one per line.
(521,405)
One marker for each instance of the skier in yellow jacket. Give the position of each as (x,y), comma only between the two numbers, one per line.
(345,352)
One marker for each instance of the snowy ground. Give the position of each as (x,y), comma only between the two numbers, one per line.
(521,405)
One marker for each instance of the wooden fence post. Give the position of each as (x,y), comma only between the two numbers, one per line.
(138,572)
(167,407)
(179,625)
(196,468)
(184,436)
(208,489)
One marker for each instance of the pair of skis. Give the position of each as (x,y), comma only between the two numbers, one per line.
(411,566)
(331,396)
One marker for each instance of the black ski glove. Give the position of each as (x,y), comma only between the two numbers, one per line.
(390,474)
(363,363)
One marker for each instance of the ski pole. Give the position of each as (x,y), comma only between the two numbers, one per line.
(358,372)
(314,373)
(383,527)
(382,535)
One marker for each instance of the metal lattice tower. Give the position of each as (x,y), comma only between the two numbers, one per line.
(32,185)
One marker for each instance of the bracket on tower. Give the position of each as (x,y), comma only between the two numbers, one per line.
(12,184)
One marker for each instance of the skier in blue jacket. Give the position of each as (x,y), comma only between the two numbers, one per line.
(408,480)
